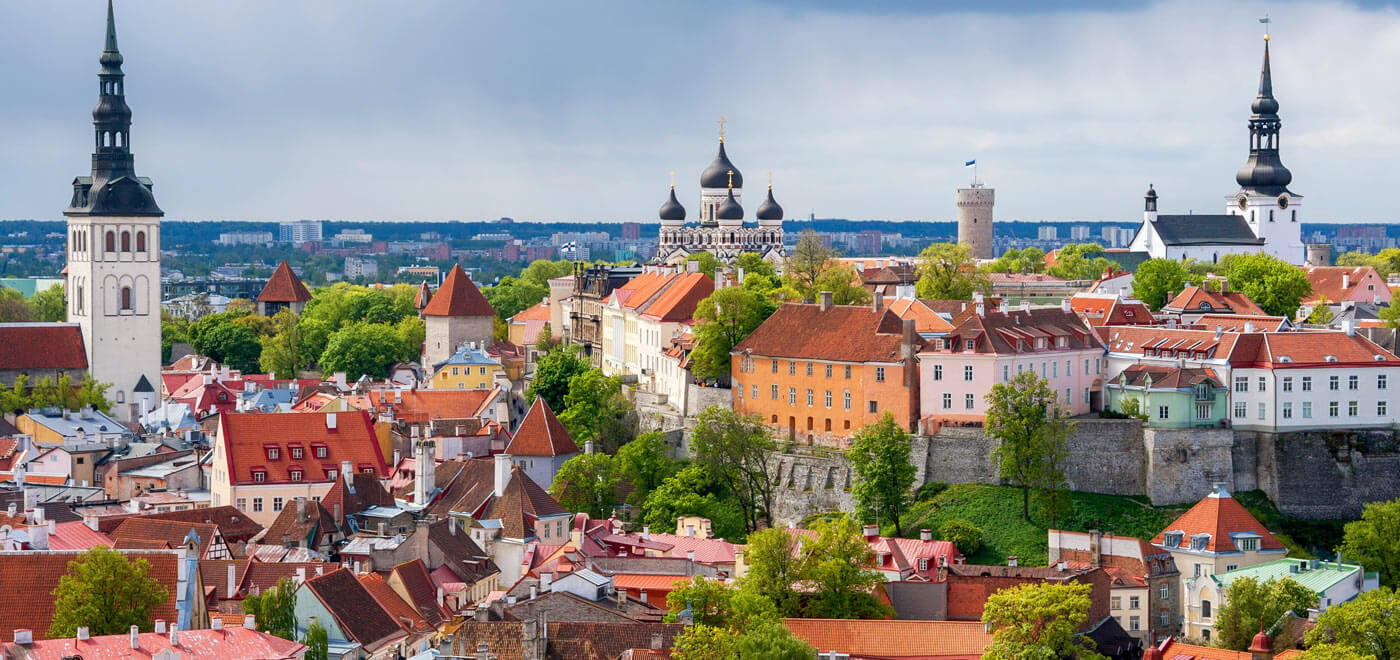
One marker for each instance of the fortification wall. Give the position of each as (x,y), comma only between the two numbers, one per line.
(1329,475)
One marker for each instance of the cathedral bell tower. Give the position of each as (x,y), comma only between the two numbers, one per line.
(1264,199)
(113,282)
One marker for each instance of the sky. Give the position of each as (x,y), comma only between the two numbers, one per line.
(579,111)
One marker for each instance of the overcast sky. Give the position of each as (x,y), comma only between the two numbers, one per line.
(435,110)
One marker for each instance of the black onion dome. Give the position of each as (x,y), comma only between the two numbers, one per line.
(729,209)
(717,174)
(672,209)
(769,209)
(1151,192)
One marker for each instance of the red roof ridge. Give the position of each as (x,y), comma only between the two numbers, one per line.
(541,434)
(458,296)
(284,286)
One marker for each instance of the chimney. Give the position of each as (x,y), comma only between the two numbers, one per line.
(230,580)
(825,300)
(134,637)
(451,527)
(442,594)
(347,470)
(1346,280)
(925,535)
(250,622)
(646,532)
(26,636)
(1219,330)
(1249,326)
(906,349)
(546,580)
(871,532)
(301,510)
(216,623)
(534,591)
(877,303)
(174,636)
(330,421)
(588,447)
(301,574)
(1064,305)
(83,634)
(690,556)
(1012,560)
(1026,306)
(502,473)
(981,309)
(1349,327)
(1095,553)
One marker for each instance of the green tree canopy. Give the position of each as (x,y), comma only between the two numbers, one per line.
(836,568)
(775,564)
(883,488)
(233,344)
(708,263)
(362,348)
(809,259)
(1364,626)
(692,491)
(275,609)
(541,271)
(1374,541)
(1039,621)
(552,376)
(588,482)
(317,641)
(947,271)
(596,410)
(729,622)
(1025,260)
(734,448)
(50,305)
(1022,416)
(1247,601)
(1156,279)
(645,462)
(722,320)
(106,592)
(1272,283)
(964,535)
(754,264)
(282,354)
(843,283)
(1081,261)
(510,296)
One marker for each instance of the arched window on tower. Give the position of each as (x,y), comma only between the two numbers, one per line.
(111,241)
(1271,215)
(126,241)
(126,298)
(140,241)
(106,138)
(1295,215)
(119,139)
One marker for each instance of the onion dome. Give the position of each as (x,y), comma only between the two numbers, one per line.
(729,209)
(769,211)
(1261,643)
(1151,192)
(672,212)
(1264,172)
(717,175)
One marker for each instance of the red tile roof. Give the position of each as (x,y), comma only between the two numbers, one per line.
(1016,331)
(233,524)
(39,346)
(234,641)
(407,617)
(246,437)
(1110,310)
(1165,377)
(1172,649)
(677,301)
(142,531)
(356,611)
(521,505)
(368,491)
(425,405)
(536,312)
(1218,515)
(541,434)
(29,578)
(284,286)
(1192,297)
(1327,283)
(458,296)
(842,333)
(894,639)
(76,535)
(925,318)
(1235,322)
(422,594)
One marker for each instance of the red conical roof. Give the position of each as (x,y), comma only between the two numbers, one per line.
(458,296)
(284,286)
(541,434)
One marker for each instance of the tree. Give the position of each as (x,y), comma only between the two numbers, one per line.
(836,569)
(1156,279)
(843,283)
(1247,600)
(544,341)
(1038,621)
(645,463)
(92,393)
(553,374)
(1321,314)
(772,640)
(807,262)
(587,482)
(775,564)
(1371,541)
(964,535)
(362,348)
(1272,283)
(541,271)
(275,609)
(50,305)
(707,263)
(106,592)
(706,642)
(735,447)
(317,642)
(1365,626)
(1080,261)
(172,329)
(694,492)
(412,332)
(282,352)
(510,296)
(596,410)
(729,622)
(722,320)
(234,345)
(13,308)
(754,264)
(1391,315)
(883,489)
(947,271)
(1027,260)
(1022,416)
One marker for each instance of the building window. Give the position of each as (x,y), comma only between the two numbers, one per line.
(140,241)
(775,366)
(874,407)
(792,396)
(1164,620)
(1134,602)
(1351,409)
(1247,545)
(969,400)
(1380,381)
(1380,408)
(296,452)
(320,452)
(809,398)
(1134,623)
(126,241)
(1240,410)
(1307,383)
(1353,382)
(1164,412)
(828,399)
(846,399)
(1005,372)
(1087,398)
(1115,603)
(809,369)
(1086,366)
(848,372)
(332,474)
(126,298)
(792,368)
(456,371)
(273,453)
(1288,410)
(296,475)
(1334,383)
(1332,408)
(1241,384)
(879,374)
(1163,592)
(947,400)
(1205,613)
(753,391)
(276,504)
(257,505)
(242,504)
(1262,409)
(1288,383)
(259,476)
(938,372)
(828,371)
(368,470)
(967,372)
(111,241)
(1263,384)
(1054,369)
(1202,411)
(775,392)
(1307,410)
(970,344)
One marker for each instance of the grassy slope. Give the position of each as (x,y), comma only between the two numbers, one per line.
(997,510)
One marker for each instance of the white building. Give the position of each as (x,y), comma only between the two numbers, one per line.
(356,267)
(300,231)
(354,236)
(245,238)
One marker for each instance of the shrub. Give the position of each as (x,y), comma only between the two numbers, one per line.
(930,490)
(963,534)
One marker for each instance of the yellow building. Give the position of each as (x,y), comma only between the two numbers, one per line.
(470,368)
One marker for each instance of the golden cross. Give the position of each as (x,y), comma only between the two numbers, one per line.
(673,179)
(731,178)
(770,179)
(721,129)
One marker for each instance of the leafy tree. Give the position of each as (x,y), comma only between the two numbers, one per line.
(883,489)
(233,344)
(1038,621)
(241,306)
(1027,260)
(731,623)
(836,569)
(544,341)
(92,393)
(595,409)
(807,262)
(541,271)
(947,271)
(964,535)
(362,348)
(1022,416)
(173,329)
(553,374)
(1371,541)
(1156,279)
(775,564)
(588,482)
(734,448)
(754,264)
(510,296)
(13,308)
(706,642)
(1391,315)
(1247,599)
(1080,261)
(1321,314)
(50,305)
(275,609)
(1334,652)
(843,283)
(1272,283)
(261,326)
(722,320)
(710,601)
(694,492)
(106,592)
(317,641)
(708,264)
(646,463)
(412,332)
(1365,626)
(282,352)
(199,330)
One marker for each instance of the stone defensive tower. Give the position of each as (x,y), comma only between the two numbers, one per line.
(975,219)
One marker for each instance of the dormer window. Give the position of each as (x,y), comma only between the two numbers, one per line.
(1128,313)
(296,452)
(970,345)
(1331,358)
(319,450)
(296,475)
(259,476)
(1062,342)
(273,453)
(1173,539)
(332,473)
(1247,545)
(1199,541)
(368,470)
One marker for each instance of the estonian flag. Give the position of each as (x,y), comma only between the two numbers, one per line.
(969,163)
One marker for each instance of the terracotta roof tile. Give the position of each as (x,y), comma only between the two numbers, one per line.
(541,434)
(1327,283)
(234,641)
(142,531)
(40,346)
(76,536)
(1165,377)
(368,492)
(407,617)
(1218,515)
(1000,332)
(356,611)
(1235,322)
(315,530)
(1172,649)
(422,594)
(925,318)
(676,302)
(536,312)
(284,286)
(233,524)
(889,638)
(842,333)
(29,579)
(458,296)
(1192,297)
(246,437)
(608,640)
(521,505)
(425,405)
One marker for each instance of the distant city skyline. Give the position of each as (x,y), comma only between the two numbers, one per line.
(558,111)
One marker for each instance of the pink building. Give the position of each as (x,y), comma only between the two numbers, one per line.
(958,370)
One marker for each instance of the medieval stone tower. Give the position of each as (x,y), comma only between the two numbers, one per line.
(975,219)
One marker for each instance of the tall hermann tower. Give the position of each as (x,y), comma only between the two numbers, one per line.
(113,282)
(975,219)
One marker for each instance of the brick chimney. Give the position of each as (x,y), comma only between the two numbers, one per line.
(871,532)
(502,474)
(1095,552)
(925,535)
(825,300)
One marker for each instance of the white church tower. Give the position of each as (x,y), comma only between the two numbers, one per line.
(1264,200)
(113,282)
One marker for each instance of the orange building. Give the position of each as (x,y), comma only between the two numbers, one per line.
(821,372)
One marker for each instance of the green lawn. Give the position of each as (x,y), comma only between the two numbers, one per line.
(997,510)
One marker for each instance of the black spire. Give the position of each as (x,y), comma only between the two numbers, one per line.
(113,188)
(1264,172)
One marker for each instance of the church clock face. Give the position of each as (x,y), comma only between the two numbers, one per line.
(1283,201)
(1243,202)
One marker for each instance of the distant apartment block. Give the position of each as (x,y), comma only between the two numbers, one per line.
(244,238)
(1079,233)
(1047,232)
(631,231)
(493,236)
(301,231)
(354,236)
(356,267)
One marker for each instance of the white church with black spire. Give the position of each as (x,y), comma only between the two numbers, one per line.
(1262,216)
(721,229)
(113,273)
